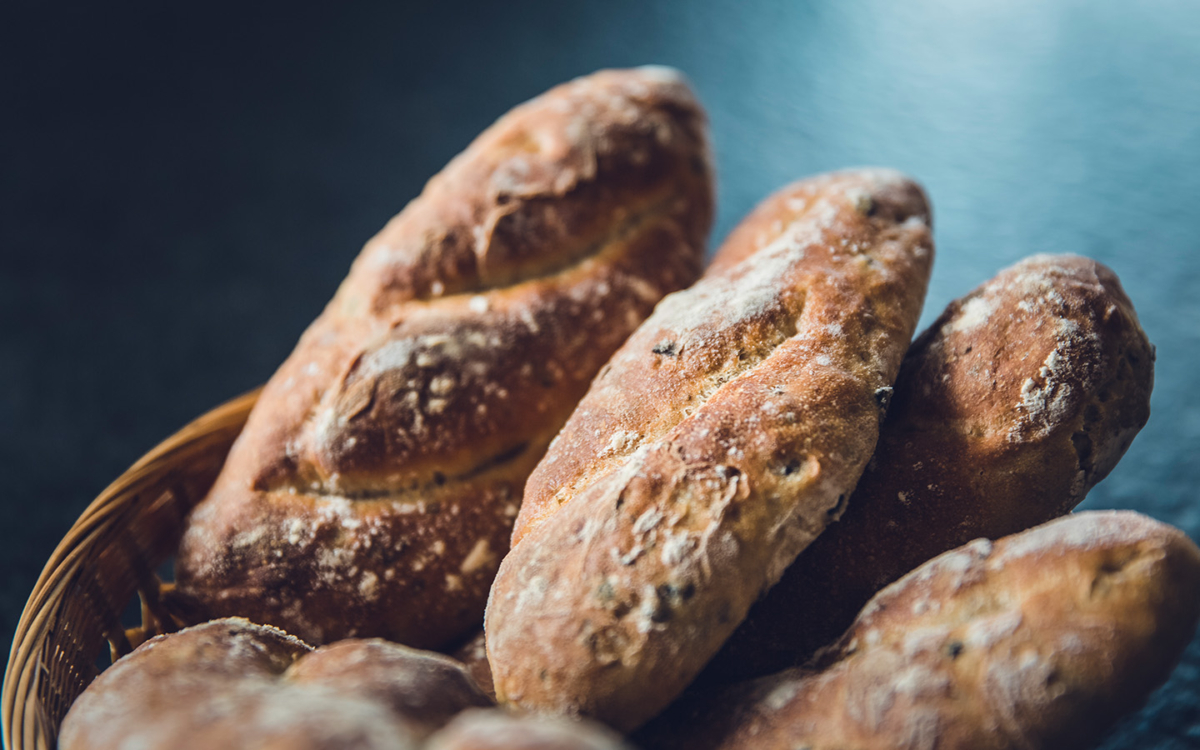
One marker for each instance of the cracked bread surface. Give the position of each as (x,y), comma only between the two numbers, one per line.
(373,490)
(1041,640)
(1014,403)
(716,444)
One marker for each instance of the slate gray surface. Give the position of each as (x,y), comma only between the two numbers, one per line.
(182,189)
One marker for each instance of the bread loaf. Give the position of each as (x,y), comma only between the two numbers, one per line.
(714,446)
(373,490)
(1007,410)
(1041,640)
(232,684)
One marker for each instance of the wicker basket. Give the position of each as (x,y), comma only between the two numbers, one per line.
(111,552)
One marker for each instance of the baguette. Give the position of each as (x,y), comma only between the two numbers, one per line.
(1019,399)
(717,443)
(1041,640)
(373,490)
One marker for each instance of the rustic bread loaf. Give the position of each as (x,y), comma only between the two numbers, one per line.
(1041,640)
(714,446)
(1007,410)
(373,490)
(232,684)
(479,729)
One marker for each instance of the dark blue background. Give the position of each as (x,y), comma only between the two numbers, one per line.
(182,188)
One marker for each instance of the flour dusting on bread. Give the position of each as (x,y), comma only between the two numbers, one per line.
(375,485)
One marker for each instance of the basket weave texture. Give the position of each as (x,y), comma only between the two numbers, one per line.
(110,553)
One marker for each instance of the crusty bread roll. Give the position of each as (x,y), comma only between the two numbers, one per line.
(479,729)
(232,684)
(1007,410)
(1041,640)
(713,447)
(374,487)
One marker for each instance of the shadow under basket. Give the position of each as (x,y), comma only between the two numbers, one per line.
(110,554)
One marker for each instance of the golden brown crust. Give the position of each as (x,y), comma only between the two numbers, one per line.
(247,685)
(646,388)
(715,445)
(498,730)
(1008,409)
(374,487)
(1041,640)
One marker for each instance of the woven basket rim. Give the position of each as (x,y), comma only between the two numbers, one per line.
(25,723)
